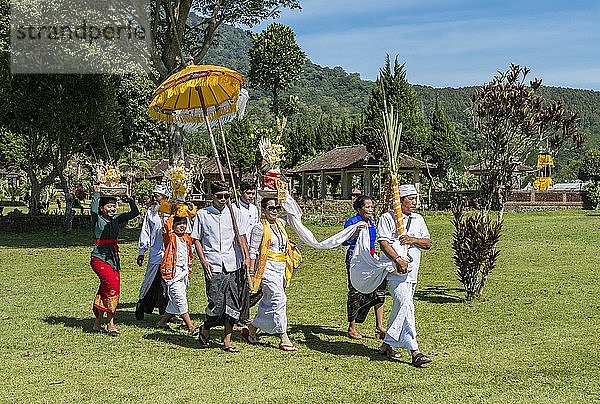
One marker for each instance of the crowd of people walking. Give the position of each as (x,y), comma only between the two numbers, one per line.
(248,259)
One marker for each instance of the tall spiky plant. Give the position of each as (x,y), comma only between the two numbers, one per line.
(474,243)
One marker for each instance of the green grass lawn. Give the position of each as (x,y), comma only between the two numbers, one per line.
(532,337)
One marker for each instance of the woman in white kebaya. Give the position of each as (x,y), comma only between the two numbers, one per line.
(268,245)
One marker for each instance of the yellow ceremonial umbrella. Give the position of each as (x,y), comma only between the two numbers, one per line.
(196,93)
(203,93)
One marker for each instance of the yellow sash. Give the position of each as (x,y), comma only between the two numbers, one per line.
(276,256)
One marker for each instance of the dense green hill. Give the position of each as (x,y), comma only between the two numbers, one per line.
(333,91)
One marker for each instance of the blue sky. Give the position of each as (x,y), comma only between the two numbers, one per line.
(453,43)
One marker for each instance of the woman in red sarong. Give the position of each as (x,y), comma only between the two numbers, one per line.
(105,256)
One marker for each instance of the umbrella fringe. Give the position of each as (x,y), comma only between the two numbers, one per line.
(225,113)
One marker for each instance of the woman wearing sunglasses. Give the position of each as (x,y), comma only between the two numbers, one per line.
(268,245)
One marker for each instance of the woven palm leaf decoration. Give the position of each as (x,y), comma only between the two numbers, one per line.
(390,135)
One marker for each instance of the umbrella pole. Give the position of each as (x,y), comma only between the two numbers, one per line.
(236,230)
(214,147)
(237,202)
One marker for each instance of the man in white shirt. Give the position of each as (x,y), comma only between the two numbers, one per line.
(151,241)
(248,217)
(221,258)
(401,324)
(248,212)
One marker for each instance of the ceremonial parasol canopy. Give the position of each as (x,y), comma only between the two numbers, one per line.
(198,92)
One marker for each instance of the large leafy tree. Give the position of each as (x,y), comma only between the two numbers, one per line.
(46,119)
(172,39)
(513,121)
(138,130)
(51,118)
(590,166)
(276,61)
(590,171)
(399,94)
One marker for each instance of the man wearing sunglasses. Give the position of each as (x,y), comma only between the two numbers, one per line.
(221,259)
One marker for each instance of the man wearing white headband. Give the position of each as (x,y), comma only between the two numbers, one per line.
(151,291)
(401,324)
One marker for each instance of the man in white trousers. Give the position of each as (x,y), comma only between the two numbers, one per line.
(401,331)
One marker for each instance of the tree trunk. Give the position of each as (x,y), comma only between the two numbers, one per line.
(176,154)
(275,102)
(69,211)
(36,187)
(34,199)
(209,35)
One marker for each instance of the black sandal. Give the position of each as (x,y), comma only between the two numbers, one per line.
(391,354)
(420,360)
(204,340)
(230,349)
(113,333)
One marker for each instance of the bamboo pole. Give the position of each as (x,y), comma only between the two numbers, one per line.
(237,202)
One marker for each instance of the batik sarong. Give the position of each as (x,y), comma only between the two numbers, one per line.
(224,298)
(359,304)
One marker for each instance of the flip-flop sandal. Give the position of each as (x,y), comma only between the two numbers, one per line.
(113,333)
(247,337)
(288,348)
(420,360)
(230,349)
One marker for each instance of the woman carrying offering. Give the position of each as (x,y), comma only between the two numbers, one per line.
(359,304)
(105,260)
(268,249)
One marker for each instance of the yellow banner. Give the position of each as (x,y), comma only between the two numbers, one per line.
(544,159)
(542,183)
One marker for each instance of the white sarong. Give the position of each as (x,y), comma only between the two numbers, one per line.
(177,292)
(271,316)
(402,332)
